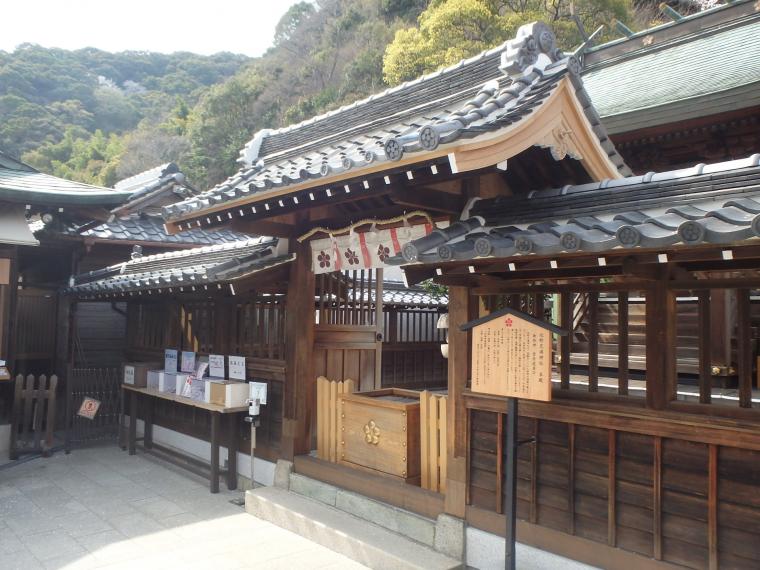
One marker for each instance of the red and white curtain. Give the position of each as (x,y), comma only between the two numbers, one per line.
(362,250)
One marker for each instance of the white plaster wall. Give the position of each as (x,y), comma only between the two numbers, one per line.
(263,470)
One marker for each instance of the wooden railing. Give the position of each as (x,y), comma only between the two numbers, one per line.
(33,416)
(433,441)
(328,416)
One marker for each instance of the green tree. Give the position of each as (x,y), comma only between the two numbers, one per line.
(451,30)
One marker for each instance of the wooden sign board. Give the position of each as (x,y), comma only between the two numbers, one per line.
(512,355)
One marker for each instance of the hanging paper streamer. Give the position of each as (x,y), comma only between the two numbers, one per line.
(363,250)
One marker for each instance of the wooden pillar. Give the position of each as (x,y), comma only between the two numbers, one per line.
(744,347)
(705,347)
(456,428)
(660,346)
(722,321)
(299,398)
(566,319)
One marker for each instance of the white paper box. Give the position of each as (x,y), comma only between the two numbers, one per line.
(227,393)
(154,378)
(236,393)
(169,380)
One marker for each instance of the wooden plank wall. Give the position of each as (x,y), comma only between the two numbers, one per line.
(688,503)
(101,334)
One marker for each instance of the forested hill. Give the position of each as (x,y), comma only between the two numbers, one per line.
(44,92)
(97,117)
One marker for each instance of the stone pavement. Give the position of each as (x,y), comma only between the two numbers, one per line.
(100,508)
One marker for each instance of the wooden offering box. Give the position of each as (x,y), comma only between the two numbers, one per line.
(380,431)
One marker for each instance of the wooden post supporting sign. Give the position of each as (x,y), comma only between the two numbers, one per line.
(511,356)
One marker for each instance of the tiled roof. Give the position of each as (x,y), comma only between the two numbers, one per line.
(149,228)
(696,71)
(27,186)
(718,204)
(192,269)
(153,186)
(399,294)
(478,95)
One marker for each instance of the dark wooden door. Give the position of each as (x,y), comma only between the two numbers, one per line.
(348,336)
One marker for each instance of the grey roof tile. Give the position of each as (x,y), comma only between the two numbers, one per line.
(202,267)
(690,212)
(463,101)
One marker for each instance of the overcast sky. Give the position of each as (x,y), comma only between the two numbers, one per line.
(200,26)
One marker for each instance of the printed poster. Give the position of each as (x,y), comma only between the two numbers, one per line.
(237,367)
(170,360)
(188,361)
(216,365)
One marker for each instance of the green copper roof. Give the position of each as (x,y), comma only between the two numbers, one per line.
(706,72)
(31,187)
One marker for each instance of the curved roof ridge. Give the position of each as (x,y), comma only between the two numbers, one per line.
(261,134)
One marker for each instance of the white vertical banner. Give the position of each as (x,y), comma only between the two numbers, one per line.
(364,250)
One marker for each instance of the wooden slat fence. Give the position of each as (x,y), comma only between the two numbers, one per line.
(33,416)
(328,416)
(433,441)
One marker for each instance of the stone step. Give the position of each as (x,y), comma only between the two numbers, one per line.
(396,520)
(358,539)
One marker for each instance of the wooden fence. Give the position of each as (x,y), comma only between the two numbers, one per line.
(33,415)
(328,416)
(433,441)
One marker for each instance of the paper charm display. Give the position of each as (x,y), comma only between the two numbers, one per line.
(363,250)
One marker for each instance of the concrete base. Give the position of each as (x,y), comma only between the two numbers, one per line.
(485,551)
(356,538)
(450,536)
(282,472)
(5,442)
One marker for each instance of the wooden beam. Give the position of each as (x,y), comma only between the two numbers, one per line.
(712,508)
(456,429)
(744,347)
(593,341)
(657,498)
(565,342)
(424,198)
(705,348)
(299,345)
(623,343)
(660,346)
(263,228)
(611,487)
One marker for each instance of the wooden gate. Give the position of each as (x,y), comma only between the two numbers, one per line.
(348,337)
(33,416)
(103,385)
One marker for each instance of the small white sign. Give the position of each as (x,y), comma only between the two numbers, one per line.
(89,408)
(188,361)
(170,360)
(129,375)
(237,367)
(216,365)
(258,391)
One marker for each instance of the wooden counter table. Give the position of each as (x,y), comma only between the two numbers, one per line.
(148,395)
